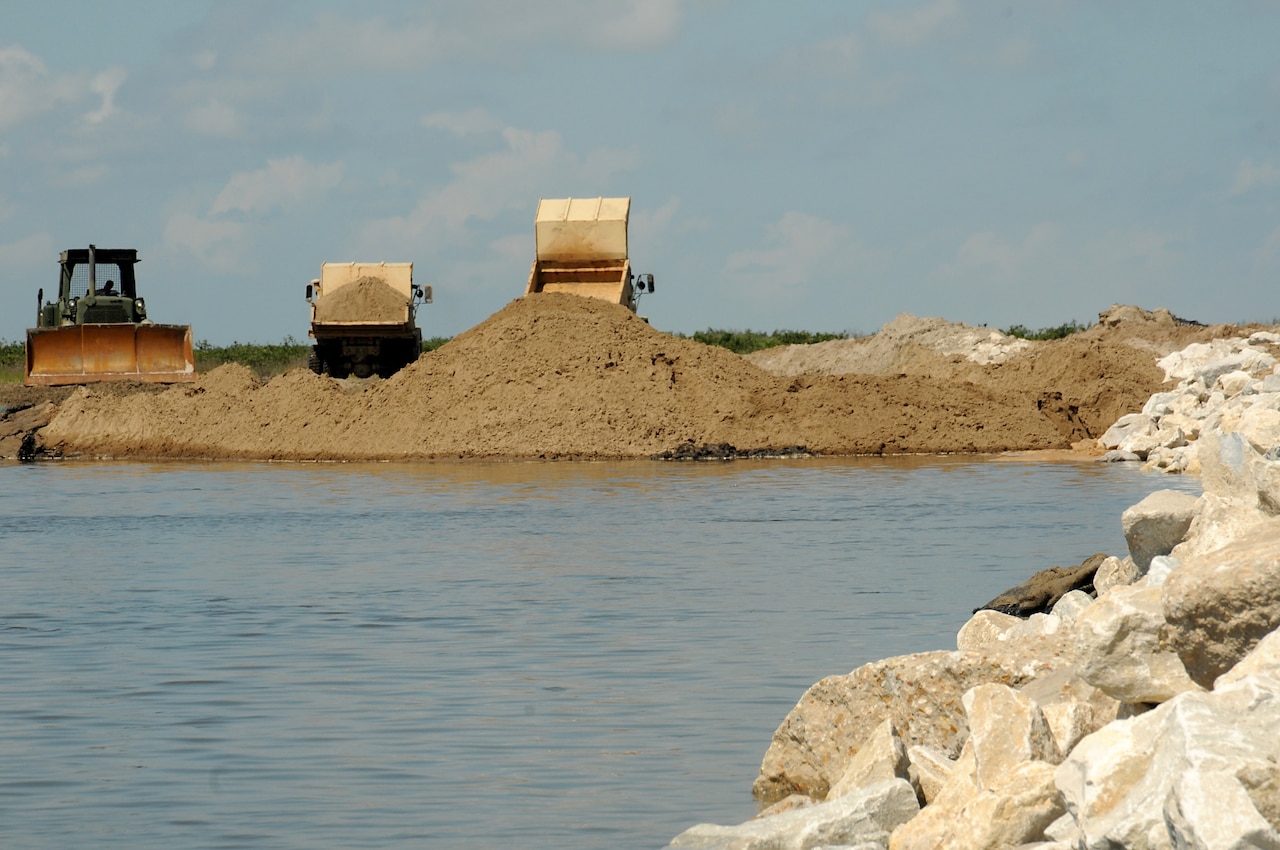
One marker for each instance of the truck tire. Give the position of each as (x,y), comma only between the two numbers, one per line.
(313,362)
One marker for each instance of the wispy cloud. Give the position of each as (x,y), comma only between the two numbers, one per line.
(105,85)
(28,89)
(31,251)
(217,244)
(510,177)
(1251,175)
(915,26)
(796,250)
(283,183)
(1006,259)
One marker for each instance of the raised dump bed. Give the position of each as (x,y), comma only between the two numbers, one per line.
(582,249)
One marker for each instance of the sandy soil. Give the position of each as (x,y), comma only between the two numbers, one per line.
(559,376)
(368,299)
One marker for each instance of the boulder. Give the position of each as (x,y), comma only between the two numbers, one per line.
(1121,648)
(921,693)
(1006,728)
(1157,524)
(880,758)
(1039,593)
(1014,811)
(929,771)
(1114,572)
(1116,782)
(867,816)
(1219,605)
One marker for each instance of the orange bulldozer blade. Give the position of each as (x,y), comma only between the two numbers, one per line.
(81,354)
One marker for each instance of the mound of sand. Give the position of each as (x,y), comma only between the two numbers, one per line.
(366,299)
(560,376)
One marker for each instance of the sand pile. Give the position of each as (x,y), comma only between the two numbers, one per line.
(366,299)
(907,344)
(559,376)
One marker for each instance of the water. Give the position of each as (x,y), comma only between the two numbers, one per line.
(472,655)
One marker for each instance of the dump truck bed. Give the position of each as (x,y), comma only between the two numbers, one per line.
(81,354)
(582,249)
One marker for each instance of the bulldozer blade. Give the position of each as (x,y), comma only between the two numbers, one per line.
(84,354)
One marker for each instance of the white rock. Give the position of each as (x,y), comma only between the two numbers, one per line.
(1157,524)
(1117,780)
(1161,566)
(1120,650)
(867,816)
(880,758)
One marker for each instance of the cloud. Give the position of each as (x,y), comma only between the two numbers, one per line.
(283,183)
(509,178)
(1270,248)
(27,89)
(29,252)
(105,85)
(838,57)
(914,27)
(217,244)
(473,122)
(216,119)
(1250,175)
(796,249)
(1003,259)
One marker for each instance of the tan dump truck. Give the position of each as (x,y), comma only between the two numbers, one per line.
(582,249)
(363,319)
(98,329)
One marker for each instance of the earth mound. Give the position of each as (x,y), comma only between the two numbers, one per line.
(560,376)
(366,299)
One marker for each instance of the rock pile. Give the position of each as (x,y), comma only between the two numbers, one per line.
(1146,718)
(1226,385)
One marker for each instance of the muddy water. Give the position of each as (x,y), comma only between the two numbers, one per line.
(479,655)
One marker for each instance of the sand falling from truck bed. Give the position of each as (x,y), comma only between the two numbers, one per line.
(560,376)
(365,300)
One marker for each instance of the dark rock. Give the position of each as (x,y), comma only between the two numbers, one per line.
(1038,594)
(726,451)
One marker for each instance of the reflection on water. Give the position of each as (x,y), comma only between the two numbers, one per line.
(472,654)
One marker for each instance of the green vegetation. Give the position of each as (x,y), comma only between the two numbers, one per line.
(1059,332)
(434,342)
(264,360)
(745,342)
(13,361)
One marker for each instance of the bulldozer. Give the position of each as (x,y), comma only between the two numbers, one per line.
(95,332)
(582,249)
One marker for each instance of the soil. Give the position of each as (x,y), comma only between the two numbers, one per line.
(367,299)
(561,376)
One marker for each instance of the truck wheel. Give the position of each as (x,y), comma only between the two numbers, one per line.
(314,364)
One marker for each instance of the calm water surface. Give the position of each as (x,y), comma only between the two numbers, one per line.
(472,655)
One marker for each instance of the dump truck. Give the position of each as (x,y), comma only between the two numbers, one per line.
(97,329)
(582,249)
(364,319)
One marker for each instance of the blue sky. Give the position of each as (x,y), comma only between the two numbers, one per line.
(811,165)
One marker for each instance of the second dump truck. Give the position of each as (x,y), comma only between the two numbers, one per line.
(363,319)
(582,249)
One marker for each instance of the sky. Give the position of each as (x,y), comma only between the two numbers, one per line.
(820,165)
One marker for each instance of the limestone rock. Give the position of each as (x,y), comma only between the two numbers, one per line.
(880,758)
(1114,572)
(1263,659)
(1117,781)
(1039,593)
(1219,605)
(866,816)
(1006,728)
(1157,524)
(929,771)
(921,693)
(1014,811)
(1121,648)
(985,628)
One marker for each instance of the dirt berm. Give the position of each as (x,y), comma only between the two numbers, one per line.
(559,376)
